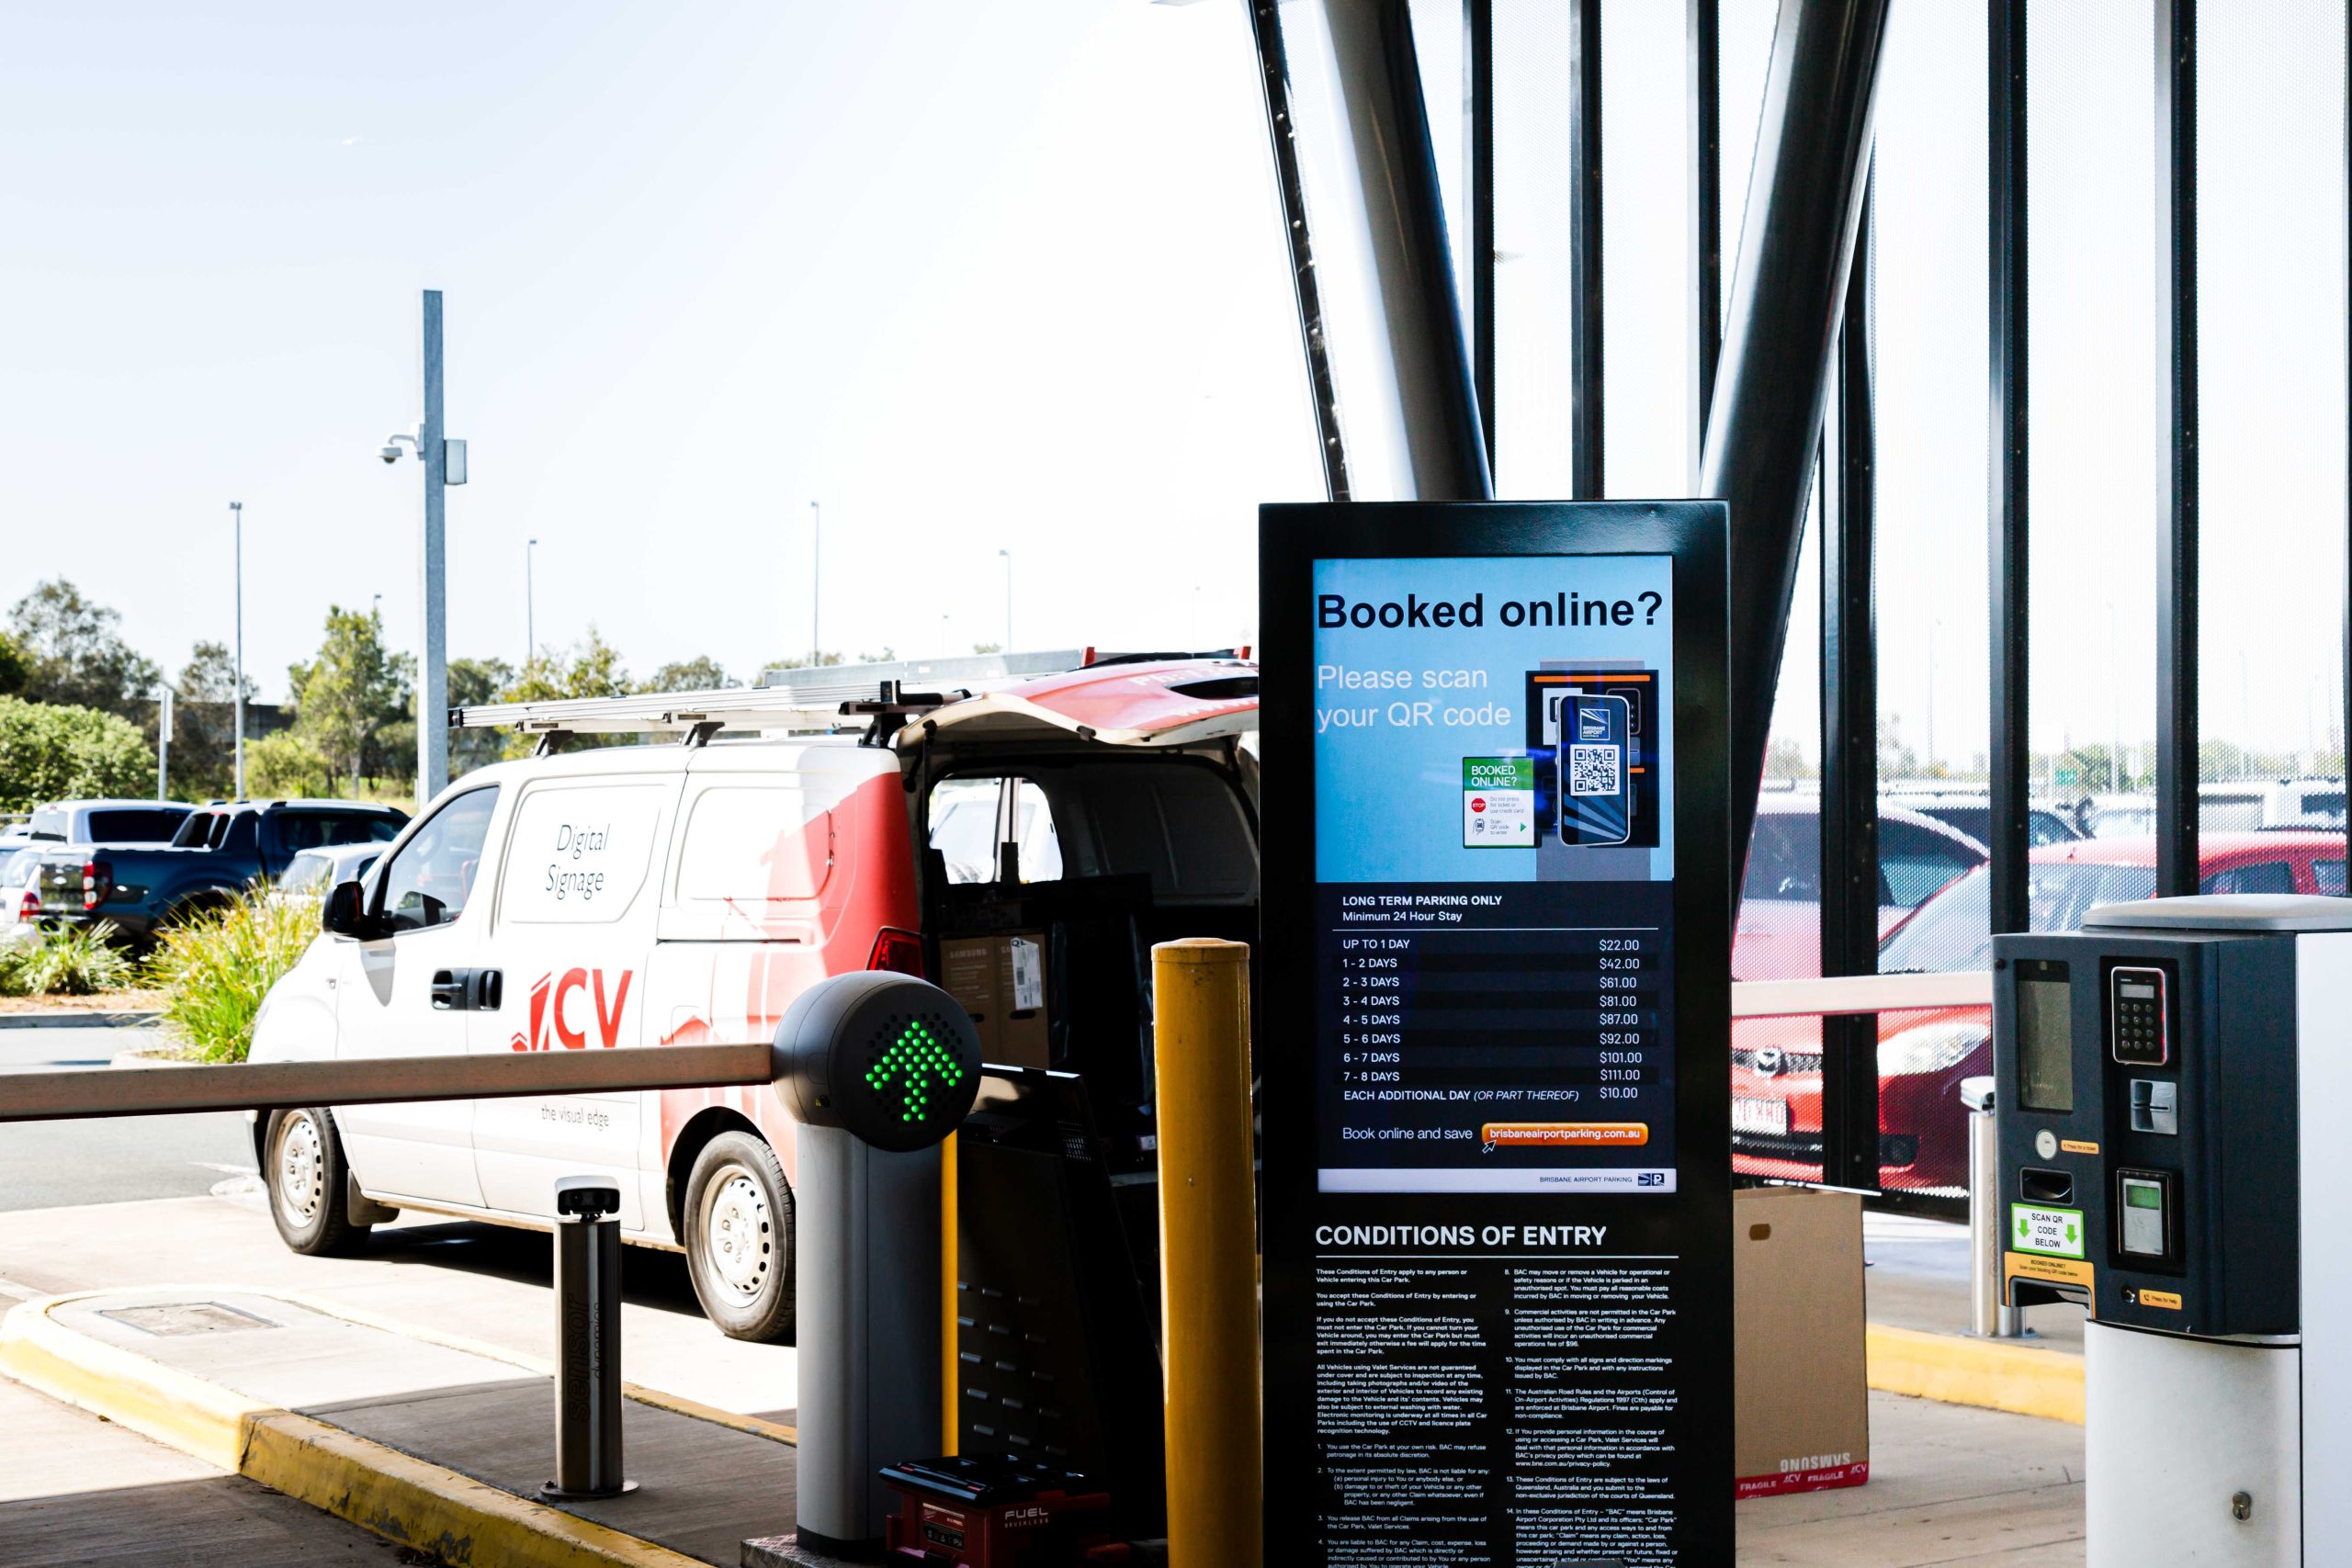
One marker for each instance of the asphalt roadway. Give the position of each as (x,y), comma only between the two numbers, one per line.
(50,1165)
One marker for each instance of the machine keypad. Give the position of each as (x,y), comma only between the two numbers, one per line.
(2137,1017)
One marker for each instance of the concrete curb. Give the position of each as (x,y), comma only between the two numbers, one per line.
(1986,1373)
(79,1019)
(402,1498)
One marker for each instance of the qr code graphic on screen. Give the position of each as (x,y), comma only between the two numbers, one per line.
(1595,769)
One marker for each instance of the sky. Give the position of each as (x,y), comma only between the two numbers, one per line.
(975,278)
(984,279)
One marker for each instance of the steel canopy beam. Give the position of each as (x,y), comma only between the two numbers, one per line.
(1422,393)
(1849,859)
(1704,93)
(1588,379)
(2177,433)
(1282,132)
(2006,833)
(1805,200)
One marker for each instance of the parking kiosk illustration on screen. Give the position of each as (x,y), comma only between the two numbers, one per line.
(1593,728)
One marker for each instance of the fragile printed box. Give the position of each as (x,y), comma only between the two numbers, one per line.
(1000,981)
(1801,1404)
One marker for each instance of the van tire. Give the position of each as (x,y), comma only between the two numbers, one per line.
(306,1176)
(739,1239)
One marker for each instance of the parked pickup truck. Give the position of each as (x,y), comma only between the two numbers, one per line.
(217,850)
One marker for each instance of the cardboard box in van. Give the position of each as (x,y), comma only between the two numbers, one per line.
(1801,1420)
(1000,981)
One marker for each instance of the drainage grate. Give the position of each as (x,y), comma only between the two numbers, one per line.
(187,1317)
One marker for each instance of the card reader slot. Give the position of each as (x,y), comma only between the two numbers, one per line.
(2046,1186)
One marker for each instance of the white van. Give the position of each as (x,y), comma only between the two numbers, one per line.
(668,893)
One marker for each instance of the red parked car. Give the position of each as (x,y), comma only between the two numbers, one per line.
(1924,1055)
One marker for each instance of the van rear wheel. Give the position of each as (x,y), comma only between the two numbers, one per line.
(303,1166)
(738,1238)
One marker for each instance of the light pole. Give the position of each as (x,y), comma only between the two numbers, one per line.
(237,521)
(1008,599)
(530,607)
(163,745)
(444,465)
(816,580)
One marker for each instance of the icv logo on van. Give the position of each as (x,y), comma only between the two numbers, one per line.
(548,1027)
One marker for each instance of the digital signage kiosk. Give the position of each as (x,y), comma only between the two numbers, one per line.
(1495,1035)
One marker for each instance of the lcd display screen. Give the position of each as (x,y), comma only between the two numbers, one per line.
(2045,1040)
(2138,993)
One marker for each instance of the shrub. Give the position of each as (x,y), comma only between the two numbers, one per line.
(51,752)
(216,967)
(67,963)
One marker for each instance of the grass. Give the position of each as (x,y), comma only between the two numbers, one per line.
(67,963)
(216,969)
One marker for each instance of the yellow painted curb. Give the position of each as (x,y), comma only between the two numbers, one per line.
(1985,1373)
(398,1496)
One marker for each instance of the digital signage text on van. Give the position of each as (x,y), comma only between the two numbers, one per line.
(1563,609)
(575,840)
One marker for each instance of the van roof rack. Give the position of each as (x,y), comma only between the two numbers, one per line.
(801,700)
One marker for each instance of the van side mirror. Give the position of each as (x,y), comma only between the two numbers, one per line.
(345,912)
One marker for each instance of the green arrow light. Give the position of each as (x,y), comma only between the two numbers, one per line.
(920,1064)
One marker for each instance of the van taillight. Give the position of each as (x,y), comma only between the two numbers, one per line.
(900,952)
(98,881)
(29,910)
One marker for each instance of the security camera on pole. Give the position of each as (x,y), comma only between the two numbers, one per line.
(445,463)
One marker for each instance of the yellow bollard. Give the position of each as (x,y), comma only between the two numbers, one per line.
(1208,1270)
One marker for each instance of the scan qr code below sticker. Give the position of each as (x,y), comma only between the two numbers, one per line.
(1596,770)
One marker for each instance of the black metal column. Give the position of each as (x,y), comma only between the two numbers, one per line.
(1412,385)
(1849,877)
(1478,153)
(2011,753)
(2176,720)
(1273,76)
(1805,197)
(1587,390)
(1704,33)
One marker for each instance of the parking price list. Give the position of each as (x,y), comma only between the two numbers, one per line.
(1475,1039)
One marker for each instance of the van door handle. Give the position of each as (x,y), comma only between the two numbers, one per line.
(452,989)
(490,990)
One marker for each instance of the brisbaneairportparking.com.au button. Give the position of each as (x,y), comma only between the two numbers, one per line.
(1565,1134)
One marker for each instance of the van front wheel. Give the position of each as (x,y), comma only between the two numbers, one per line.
(302,1164)
(738,1238)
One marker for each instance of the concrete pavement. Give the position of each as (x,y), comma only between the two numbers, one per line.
(1949,1486)
(479,1281)
(79,1490)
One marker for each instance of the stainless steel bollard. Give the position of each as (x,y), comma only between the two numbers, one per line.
(1987,1318)
(588,1340)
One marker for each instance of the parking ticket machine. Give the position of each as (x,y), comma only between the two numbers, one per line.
(2175,1103)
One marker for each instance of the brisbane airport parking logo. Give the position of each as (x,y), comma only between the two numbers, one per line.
(549,994)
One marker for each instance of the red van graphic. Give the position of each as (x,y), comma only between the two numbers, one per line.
(549,994)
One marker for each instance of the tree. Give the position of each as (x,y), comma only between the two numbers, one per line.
(52,751)
(590,668)
(204,722)
(473,682)
(76,653)
(702,674)
(16,666)
(287,765)
(353,689)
